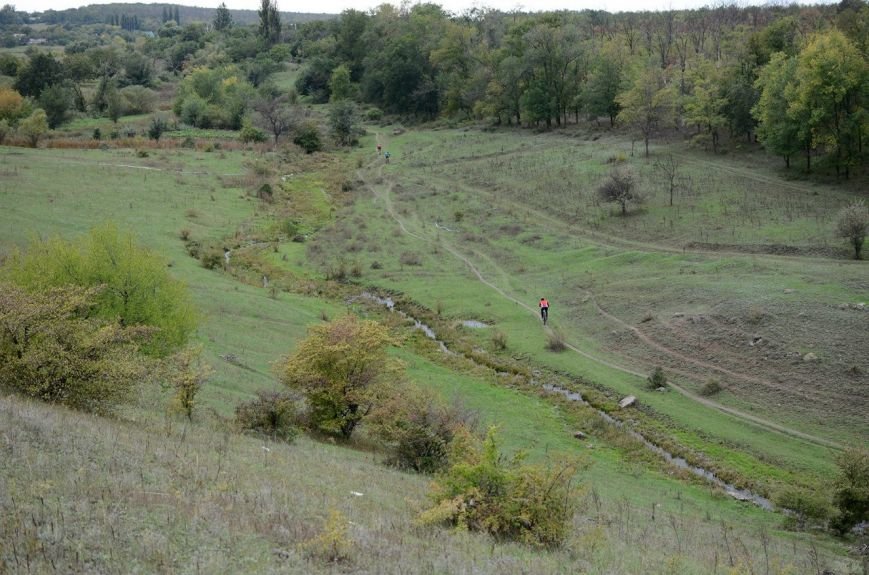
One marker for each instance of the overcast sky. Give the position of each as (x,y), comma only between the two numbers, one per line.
(336,6)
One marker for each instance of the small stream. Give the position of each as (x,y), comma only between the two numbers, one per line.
(676,461)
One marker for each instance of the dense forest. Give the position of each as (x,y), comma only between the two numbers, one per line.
(791,77)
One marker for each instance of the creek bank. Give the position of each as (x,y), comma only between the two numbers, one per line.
(674,460)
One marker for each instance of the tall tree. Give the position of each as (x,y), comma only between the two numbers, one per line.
(647,104)
(222,18)
(269,21)
(831,81)
(777,129)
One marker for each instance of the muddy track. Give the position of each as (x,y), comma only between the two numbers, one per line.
(382,192)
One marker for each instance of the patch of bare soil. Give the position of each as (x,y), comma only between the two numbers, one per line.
(800,358)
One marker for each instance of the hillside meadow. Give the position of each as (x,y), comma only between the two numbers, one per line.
(263,501)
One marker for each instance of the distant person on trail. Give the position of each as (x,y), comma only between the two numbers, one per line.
(386,155)
(544,310)
(379,149)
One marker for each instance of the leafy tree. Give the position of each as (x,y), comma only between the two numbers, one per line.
(138,99)
(340,86)
(214,97)
(33,127)
(12,105)
(314,79)
(138,289)
(851,496)
(344,121)
(56,101)
(704,105)
(5,130)
(137,70)
(269,21)
(852,223)
(485,491)
(222,18)
(41,71)
(647,104)
(338,367)
(777,128)
(52,349)
(605,83)
(829,88)
(621,188)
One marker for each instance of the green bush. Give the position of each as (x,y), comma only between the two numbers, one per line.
(710,388)
(53,349)
(851,497)
(308,138)
(416,427)
(251,133)
(511,500)
(339,368)
(271,414)
(656,379)
(805,507)
(138,288)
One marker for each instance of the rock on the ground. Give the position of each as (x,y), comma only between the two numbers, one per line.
(627,401)
(810,357)
(579,435)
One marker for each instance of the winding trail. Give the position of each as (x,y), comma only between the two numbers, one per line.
(383,193)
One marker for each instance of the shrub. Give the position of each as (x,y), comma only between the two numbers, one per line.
(417,427)
(851,497)
(410,259)
(138,288)
(555,341)
(332,544)
(484,491)
(710,388)
(308,138)
(211,259)
(53,349)
(805,507)
(852,223)
(338,367)
(499,340)
(373,114)
(157,127)
(188,375)
(656,379)
(250,133)
(271,414)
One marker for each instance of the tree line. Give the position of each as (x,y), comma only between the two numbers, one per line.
(793,77)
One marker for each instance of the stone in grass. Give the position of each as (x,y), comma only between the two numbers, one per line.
(627,401)
(580,435)
(810,357)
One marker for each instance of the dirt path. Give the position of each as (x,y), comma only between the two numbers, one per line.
(382,192)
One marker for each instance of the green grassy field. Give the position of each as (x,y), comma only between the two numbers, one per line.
(391,220)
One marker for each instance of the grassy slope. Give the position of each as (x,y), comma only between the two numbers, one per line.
(83,494)
(50,191)
(628,282)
